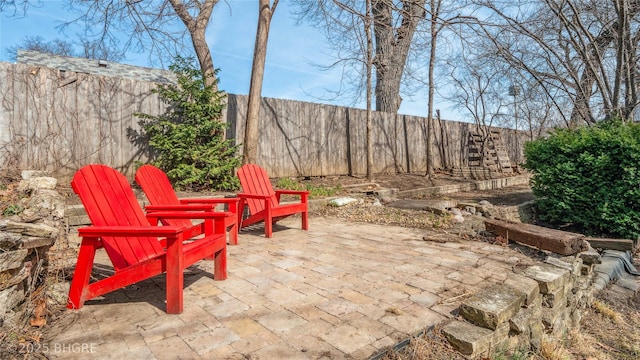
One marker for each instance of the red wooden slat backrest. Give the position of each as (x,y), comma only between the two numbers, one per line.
(109,201)
(254,180)
(157,187)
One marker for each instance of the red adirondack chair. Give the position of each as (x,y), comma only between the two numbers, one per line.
(157,187)
(137,248)
(264,203)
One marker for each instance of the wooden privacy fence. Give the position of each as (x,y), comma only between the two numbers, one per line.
(60,120)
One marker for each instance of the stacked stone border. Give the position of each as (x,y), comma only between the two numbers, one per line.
(534,302)
(28,234)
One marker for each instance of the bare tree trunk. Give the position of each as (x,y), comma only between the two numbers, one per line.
(204,57)
(369,66)
(392,48)
(197,28)
(581,106)
(251,133)
(581,109)
(435,13)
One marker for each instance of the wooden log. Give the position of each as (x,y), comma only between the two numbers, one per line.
(557,241)
(611,244)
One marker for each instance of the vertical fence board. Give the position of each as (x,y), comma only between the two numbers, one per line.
(104,108)
(133,109)
(358,145)
(52,127)
(416,143)
(87,123)
(130,127)
(36,111)
(8,140)
(66,113)
(314,147)
(335,141)
(31,116)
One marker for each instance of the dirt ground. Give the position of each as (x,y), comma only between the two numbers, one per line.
(609,329)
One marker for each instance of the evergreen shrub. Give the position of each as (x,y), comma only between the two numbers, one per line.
(188,141)
(589,177)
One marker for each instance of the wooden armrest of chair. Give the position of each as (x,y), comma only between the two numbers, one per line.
(252,196)
(215,215)
(293,192)
(209,200)
(185,207)
(127,231)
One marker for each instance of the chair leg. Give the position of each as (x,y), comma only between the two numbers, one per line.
(240,214)
(268,228)
(82,273)
(233,234)
(220,264)
(234,225)
(305,220)
(268,222)
(174,275)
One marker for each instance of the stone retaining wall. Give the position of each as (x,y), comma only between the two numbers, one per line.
(27,233)
(467,186)
(535,302)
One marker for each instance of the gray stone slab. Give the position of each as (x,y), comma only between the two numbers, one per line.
(467,338)
(12,259)
(525,285)
(549,277)
(492,306)
(38,230)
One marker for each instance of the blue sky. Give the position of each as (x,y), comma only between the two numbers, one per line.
(291,53)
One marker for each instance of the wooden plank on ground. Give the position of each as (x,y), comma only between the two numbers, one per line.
(611,244)
(557,241)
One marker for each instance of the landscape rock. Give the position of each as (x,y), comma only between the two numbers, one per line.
(469,339)
(30,215)
(10,241)
(38,230)
(492,306)
(590,256)
(342,201)
(12,259)
(9,298)
(26,236)
(48,200)
(387,200)
(527,286)
(10,278)
(34,183)
(29,174)
(59,292)
(549,277)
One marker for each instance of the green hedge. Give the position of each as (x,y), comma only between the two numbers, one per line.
(589,177)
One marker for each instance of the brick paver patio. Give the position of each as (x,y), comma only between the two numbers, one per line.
(339,290)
